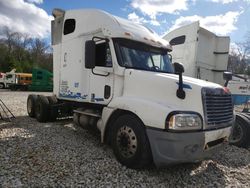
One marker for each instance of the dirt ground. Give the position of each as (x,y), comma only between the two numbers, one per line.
(36,154)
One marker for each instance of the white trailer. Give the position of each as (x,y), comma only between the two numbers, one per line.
(116,75)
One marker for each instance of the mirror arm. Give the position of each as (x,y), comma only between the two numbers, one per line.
(227,77)
(179,69)
(226,83)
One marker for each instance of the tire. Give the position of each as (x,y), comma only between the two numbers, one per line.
(130,143)
(23,88)
(2,86)
(42,109)
(12,87)
(76,119)
(52,99)
(31,103)
(53,111)
(240,135)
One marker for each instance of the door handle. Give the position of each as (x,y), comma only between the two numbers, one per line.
(65,57)
(107,91)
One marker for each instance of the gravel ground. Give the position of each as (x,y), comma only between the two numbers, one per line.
(36,154)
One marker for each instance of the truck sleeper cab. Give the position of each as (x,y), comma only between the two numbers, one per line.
(116,75)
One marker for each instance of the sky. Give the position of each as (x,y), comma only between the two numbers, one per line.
(223,17)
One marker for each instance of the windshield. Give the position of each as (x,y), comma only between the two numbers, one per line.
(144,57)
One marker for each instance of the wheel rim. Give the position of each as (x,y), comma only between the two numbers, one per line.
(1,86)
(237,134)
(29,106)
(126,142)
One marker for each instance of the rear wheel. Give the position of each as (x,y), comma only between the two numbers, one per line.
(13,88)
(130,143)
(31,103)
(53,111)
(76,119)
(52,99)
(24,88)
(42,109)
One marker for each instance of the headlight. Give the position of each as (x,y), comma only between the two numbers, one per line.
(184,122)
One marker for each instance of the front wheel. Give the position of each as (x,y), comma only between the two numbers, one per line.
(130,143)
(31,103)
(42,109)
(2,86)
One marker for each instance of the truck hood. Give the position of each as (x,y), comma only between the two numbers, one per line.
(161,88)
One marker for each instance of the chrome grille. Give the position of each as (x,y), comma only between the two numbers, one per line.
(218,107)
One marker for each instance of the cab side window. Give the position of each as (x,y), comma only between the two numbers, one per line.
(103,55)
(178,40)
(39,75)
(9,76)
(69,26)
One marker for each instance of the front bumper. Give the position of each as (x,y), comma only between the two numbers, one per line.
(170,148)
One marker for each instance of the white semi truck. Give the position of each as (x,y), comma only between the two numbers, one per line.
(116,75)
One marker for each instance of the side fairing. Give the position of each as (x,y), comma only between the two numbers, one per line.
(56,68)
(73,77)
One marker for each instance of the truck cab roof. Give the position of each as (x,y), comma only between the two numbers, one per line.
(84,22)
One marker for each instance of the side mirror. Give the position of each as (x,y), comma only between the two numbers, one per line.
(178,68)
(227,76)
(90,54)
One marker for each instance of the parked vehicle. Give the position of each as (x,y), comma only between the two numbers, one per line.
(240,90)
(22,81)
(2,80)
(39,80)
(7,79)
(42,80)
(116,75)
(205,56)
(15,81)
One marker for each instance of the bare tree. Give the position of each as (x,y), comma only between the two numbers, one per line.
(39,48)
(239,58)
(22,52)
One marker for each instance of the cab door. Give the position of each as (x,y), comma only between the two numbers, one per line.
(102,76)
(10,79)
